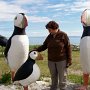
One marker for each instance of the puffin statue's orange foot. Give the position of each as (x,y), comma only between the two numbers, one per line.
(81,88)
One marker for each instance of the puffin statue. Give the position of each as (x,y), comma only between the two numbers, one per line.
(29,72)
(85,48)
(17,48)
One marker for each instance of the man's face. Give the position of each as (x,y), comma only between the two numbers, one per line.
(52,31)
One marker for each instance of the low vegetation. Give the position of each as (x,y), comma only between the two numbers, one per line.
(74,71)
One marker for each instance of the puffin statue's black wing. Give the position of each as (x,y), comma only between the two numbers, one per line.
(3,40)
(25,70)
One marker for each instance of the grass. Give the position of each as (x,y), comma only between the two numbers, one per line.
(75,78)
(3,67)
(74,71)
(75,61)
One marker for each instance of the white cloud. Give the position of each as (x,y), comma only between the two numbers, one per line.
(56,6)
(38,19)
(74,33)
(42,10)
(6,17)
(23,2)
(8,11)
(79,6)
(10,8)
(70,7)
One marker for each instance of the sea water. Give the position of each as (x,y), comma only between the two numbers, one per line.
(75,40)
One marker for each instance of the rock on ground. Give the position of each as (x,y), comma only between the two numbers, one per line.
(38,85)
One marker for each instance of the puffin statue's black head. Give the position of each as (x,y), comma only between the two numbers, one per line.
(20,24)
(85,20)
(20,21)
(33,55)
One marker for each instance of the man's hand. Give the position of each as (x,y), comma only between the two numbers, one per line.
(68,64)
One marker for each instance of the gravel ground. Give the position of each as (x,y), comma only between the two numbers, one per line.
(39,85)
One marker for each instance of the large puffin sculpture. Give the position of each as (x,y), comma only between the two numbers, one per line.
(29,72)
(85,48)
(17,48)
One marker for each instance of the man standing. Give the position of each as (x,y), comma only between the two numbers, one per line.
(59,54)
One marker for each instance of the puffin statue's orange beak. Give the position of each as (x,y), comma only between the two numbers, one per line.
(39,57)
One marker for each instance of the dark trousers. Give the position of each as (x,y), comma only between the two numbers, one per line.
(57,70)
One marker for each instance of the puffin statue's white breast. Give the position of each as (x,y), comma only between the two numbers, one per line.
(18,51)
(29,72)
(85,42)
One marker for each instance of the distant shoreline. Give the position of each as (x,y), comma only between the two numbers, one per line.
(35,40)
(75,40)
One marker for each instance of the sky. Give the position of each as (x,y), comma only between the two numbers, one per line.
(67,13)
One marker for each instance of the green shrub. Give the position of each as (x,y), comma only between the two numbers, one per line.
(6,78)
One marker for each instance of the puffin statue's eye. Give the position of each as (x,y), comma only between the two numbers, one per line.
(15,18)
(34,52)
